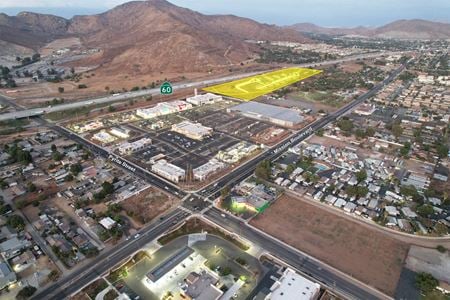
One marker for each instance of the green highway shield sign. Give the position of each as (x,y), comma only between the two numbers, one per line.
(166,88)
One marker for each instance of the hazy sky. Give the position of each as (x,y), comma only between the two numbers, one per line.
(282,12)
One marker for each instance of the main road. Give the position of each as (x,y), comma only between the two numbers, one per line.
(342,285)
(107,260)
(32,112)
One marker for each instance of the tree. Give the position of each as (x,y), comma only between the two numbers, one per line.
(404,151)
(263,170)
(320,132)
(16,222)
(107,188)
(57,156)
(425,210)
(425,282)
(345,124)
(442,150)
(60,89)
(397,130)
(370,131)
(361,175)
(356,191)
(82,86)
(35,57)
(53,275)
(225,271)
(290,168)
(26,292)
(31,187)
(441,248)
(360,133)
(53,148)
(76,168)
(68,178)
(225,192)
(23,156)
(411,191)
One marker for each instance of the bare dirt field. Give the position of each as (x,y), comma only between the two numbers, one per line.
(351,67)
(101,83)
(365,254)
(148,204)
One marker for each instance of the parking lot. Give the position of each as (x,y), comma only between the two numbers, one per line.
(220,131)
(243,128)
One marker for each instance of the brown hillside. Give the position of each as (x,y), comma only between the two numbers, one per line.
(151,36)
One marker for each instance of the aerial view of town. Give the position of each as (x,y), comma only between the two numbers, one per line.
(181,150)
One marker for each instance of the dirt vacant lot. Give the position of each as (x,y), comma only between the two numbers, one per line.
(367,255)
(148,204)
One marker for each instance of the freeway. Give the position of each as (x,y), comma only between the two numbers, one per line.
(109,259)
(317,270)
(32,112)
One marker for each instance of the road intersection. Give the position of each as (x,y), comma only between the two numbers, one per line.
(338,282)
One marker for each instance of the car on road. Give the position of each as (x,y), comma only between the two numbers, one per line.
(137,235)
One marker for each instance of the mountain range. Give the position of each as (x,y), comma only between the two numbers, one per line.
(143,37)
(149,36)
(402,29)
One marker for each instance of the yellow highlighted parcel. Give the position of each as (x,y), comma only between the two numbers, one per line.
(258,85)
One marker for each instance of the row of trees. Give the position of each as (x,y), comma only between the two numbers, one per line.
(6,78)
(18,154)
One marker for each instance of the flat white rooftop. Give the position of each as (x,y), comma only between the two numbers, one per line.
(293,286)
